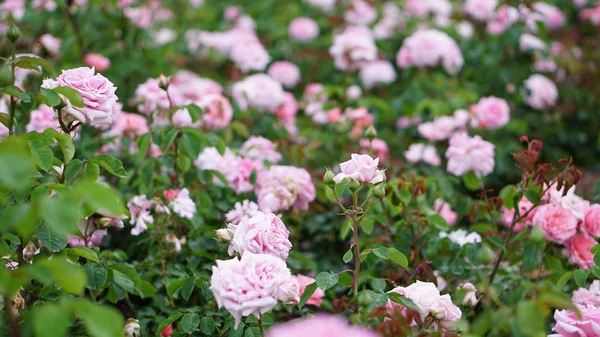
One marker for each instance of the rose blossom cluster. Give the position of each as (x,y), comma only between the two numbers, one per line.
(391,20)
(541,93)
(443,127)
(143,211)
(376,73)
(314,100)
(97,91)
(321,325)
(353,48)
(303,29)
(430,48)
(263,233)
(470,154)
(419,152)
(362,168)
(587,323)
(260,91)
(430,302)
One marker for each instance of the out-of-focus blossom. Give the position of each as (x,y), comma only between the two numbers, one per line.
(352,48)
(321,325)
(467,153)
(316,298)
(353,92)
(324,5)
(502,19)
(530,42)
(377,72)
(260,149)
(430,48)
(139,208)
(546,13)
(360,13)
(525,206)
(283,187)
(470,297)
(250,56)
(462,237)
(418,152)
(287,73)
(242,211)
(259,91)
(173,243)
(465,29)
(216,111)
(41,119)
(443,209)
(378,146)
(541,92)
(481,10)
(303,29)
(491,113)
(51,44)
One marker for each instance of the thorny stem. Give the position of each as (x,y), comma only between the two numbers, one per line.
(60,120)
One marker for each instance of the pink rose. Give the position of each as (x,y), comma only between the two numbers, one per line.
(443,209)
(491,113)
(591,222)
(303,29)
(353,92)
(524,206)
(430,48)
(316,298)
(242,211)
(51,44)
(589,296)
(97,91)
(249,56)
(42,119)
(542,92)
(260,149)
(352,48)
(264,233)
(320,325)
(376,73)
(378,146)
(97,61)
(250,285)
(283,187)
(480,10)
(467,153)
(361,167)
(568,324)
(216,111)
(578,248)
(360,13)
(558,223)
(259,91)
(288,110)
(427,297)
(286,73)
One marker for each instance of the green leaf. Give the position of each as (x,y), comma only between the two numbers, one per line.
(34,63)
(187,288)
(176,285)
(530,255)
(189,323)
(72,95)
(530,319)
(84,252)
(345,279)
(73,169)
(192,143)
(65,142)
(170,320)
(398,257)
(367,225)
(507,193)
(381,252)
(123,281)
(99,320)
(195,112)
(50,97)
(581,276)
(240,128)
(533,194)
(22,217)
(309,290)
(42,154)
(471,181)
(438,222)
(16,164)
(50,320)
(405,196)
(14,91)
(207,325)
(327,280)
(96,276)
(402,300)
(168,138)
(60,214)
(69,276)
(91,172)
(143,143)
(51,240)
(148,290)
(348,256)
(99,197)
(111,164)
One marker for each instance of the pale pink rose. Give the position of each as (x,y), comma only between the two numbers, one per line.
(183,205)
(97,91)
(316,298)
(589,296)
(441,128)
(360,13)
(352,48)
(259,91)
(465,29)
(216,111)
(541,92)
(481,10)
(578,248)
(443,209)
(430,48)
(353,92)
(152,99)
(420,152)
(461,237)
(491,113)
(334,115)
(171,194)
(42,119)
(378,146)
(127,125)
(576,204)
(264,233)
(524,206)
(182,117)
(558,223)
(377,72)
(193,87)
(568,324)
(250,285)
(241,212)
(504,17)
(320,325)
(422,8)
(51,44)
(427,297)
(239,175)
(530,42)
(245,22)
(173,243)
(591,222)
(303,29)
(470,295)
(95,236)
(232,13)
(550,15)
(283,187)
(467,153)
(139,208)
(286,73)
(288,110)
(249,56)
(260,149)
(362,168)
(97,61)
(46,5)
(407,121)
(15,7)
(591,14)
(580,3)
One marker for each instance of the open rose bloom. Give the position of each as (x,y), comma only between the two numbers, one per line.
(362,168)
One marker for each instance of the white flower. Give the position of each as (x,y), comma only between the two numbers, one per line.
(183,205)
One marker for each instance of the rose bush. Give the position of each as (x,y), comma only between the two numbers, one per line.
(291,168)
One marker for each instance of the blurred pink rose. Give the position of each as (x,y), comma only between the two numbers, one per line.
(443,209)
(568,324)
(524,206)
(558,223)
(260,149)
(491,113)
(361,167)
(303,29)
(288,110)
(591,296)
(97,91)
(504,17)
(250,285)
(52,44)
(377,72)
(320,325)
(97,61)
(353,92)
(418,152)
(542,92)
(216,111)
(441,128)
(481,10)
(427,297)
(264,233)
(591,223)
(467,153)
(378,146)
(286,73)
(42,119)
(352,48)
(578,248)
(242,211)
(430,48)
(360,13)
(250,56)
(259,91)
(283,187)
(316,298)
